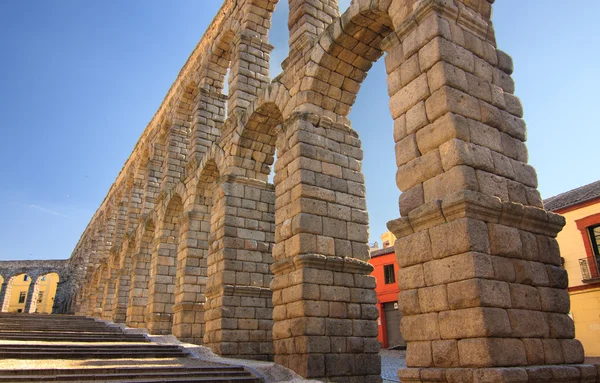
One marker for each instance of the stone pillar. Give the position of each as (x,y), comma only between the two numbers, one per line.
(98,296)
(324,300)
(123,283)
(3,295)
(30,294)
(239,309)
(188,311)
(163,269)
(307,20)
(34,295)
(138,293)
(84,299)
(90,298)
(177,141)
(110,288)
(140,276)
(159,312)
(208,116)
(249,71)
(61,298)
(483,295)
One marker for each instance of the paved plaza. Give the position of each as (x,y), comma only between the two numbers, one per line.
(391,361)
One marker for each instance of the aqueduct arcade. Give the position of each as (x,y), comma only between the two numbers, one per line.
(192,239)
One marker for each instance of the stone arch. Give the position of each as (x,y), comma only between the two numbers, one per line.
(188,320)
(171,148)
(238,275)
(219,59)
(343,55)
(163,267)
(254,143)
(16,300)
(461,166)
(44,293)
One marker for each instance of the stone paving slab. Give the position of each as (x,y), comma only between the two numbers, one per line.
(391,361)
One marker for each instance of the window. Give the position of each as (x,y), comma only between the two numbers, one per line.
(22,296)
(40,297)
(388,274)
(590,232)
(25,277)
(594,232)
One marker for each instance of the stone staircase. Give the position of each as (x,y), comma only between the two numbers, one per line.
(64,348)
(131,374)
(61,328)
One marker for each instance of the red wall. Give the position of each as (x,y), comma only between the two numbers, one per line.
(385,293)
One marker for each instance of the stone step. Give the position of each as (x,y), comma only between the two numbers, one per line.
(50,351)
(23,319)
(110,370)
(129,374)
(89,355)
(54,325)
(160,379)
(62,329)
(116,344)
(85,348)
(44,316)
(80,338)
(69,332)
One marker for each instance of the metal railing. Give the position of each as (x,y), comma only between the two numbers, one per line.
(586,272)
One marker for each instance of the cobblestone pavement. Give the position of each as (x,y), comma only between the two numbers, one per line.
(391,361)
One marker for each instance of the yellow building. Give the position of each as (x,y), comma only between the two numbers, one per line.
(579,243)
(387,240)
(44,294)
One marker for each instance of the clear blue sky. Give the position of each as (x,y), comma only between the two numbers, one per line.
(81,80)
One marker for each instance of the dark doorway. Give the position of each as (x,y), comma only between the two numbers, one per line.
(392,325)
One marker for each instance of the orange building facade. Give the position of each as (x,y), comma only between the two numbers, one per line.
(386,272)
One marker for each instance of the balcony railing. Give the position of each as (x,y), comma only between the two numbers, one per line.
(586,270)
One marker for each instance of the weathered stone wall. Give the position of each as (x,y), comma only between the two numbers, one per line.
(193,240)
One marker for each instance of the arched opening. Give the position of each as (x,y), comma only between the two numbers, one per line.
(449,100)
(279,22)
(218,78)
(44,293)
(17,294)
(257,144)
(321,217)
(240,246)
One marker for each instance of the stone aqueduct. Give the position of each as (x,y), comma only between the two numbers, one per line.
(193,240)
